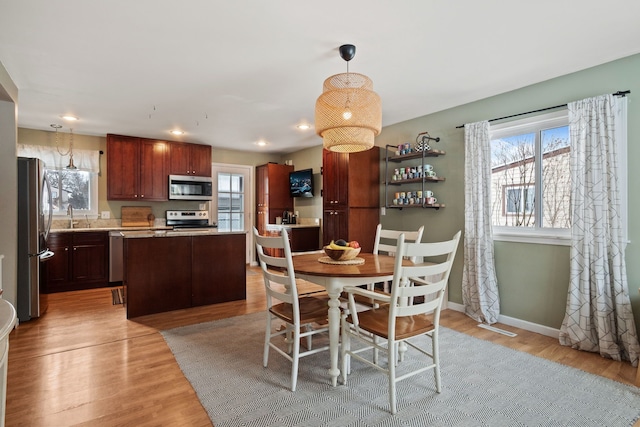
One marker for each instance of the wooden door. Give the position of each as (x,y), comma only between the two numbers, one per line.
(179,159)
(220,257)
(57,268)
(200,158)
(123,166)
(335,176)
(261,186)
(362,226)
(335,225)
(90,259)
(278,183)
(364,179)
(154,179)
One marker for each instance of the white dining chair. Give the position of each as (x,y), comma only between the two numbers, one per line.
(386,242)
(395,321)
(284,303)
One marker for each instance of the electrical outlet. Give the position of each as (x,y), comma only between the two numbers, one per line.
(105,215)
(383,211)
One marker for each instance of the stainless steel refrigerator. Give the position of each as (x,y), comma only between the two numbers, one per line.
(34,223)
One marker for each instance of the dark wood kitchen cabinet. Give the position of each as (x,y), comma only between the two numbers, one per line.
(137,168)
(80,261)
(351,196)
(190,159)
(272,194)
(170,273)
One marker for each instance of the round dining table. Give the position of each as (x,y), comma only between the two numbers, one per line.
(334,277)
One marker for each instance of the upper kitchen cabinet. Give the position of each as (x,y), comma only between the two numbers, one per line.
(351,196)
(190,159)
(137,168)
(272,194)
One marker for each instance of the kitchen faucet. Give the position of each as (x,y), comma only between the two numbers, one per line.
(70,213)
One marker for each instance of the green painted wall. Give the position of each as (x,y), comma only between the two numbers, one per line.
(532,279)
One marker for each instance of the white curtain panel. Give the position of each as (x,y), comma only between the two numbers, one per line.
(598,317)
(85,160)
(479,284)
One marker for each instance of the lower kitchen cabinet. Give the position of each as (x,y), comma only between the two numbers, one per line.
(80,261)
(301,239)
(171,273)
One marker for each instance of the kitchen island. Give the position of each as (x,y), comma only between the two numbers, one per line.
(171,270)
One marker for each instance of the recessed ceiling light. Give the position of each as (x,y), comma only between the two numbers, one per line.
(261,143)
(70,118)
(177,132)
(303,126)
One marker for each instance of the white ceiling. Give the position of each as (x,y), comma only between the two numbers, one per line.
(230,73)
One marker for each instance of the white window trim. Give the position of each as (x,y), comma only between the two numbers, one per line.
(562,237)
(93,194)
(543,236)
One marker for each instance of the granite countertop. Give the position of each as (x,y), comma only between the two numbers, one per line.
(143,234)
(85,229)
(280,226)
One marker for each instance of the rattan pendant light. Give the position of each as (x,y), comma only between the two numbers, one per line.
(348,113)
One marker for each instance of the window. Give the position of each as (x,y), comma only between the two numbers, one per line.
(230,202)
(518,200)
(76,188)
(530,179)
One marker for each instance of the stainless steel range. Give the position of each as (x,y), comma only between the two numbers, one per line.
(189,220)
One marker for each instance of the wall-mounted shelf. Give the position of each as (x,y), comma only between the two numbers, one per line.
(422,179)
(424,206)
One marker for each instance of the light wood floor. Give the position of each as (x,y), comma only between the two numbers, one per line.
(84,363)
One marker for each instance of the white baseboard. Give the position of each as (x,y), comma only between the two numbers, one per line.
(518,323)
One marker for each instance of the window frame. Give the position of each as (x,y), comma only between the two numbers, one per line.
(556,236)
(93,195)
(536,234)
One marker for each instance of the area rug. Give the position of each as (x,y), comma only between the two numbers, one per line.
(483,384)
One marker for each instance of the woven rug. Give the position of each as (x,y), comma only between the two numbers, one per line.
(483,384)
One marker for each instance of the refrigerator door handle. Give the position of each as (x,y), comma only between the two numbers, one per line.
(46,254)
(49,208)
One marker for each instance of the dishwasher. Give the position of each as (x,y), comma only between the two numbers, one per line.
(116,250)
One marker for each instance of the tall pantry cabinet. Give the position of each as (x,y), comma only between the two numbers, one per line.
(272,194)
(351,196)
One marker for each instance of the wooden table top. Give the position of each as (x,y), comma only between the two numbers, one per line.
(374,266)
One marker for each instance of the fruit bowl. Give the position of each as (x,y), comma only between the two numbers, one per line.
(341,254)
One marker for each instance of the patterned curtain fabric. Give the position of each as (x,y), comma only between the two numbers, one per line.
(598,316)
(479,285)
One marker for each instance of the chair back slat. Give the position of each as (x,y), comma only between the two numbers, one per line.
(277,272)
(428,280)
(386,241)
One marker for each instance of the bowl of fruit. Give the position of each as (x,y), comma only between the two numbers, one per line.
(341,250)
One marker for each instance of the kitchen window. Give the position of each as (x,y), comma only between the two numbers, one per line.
(69,187)
(75,188)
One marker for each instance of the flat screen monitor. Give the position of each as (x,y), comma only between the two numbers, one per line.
(301,183)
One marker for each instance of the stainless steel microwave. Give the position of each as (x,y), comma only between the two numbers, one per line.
(189,187)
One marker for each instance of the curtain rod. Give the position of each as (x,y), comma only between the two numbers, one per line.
(618,93)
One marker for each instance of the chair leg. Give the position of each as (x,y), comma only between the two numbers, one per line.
(295,357)
(375,350)
(308,328)
(436,360)
(267,339)
(392,376)
(344,348)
